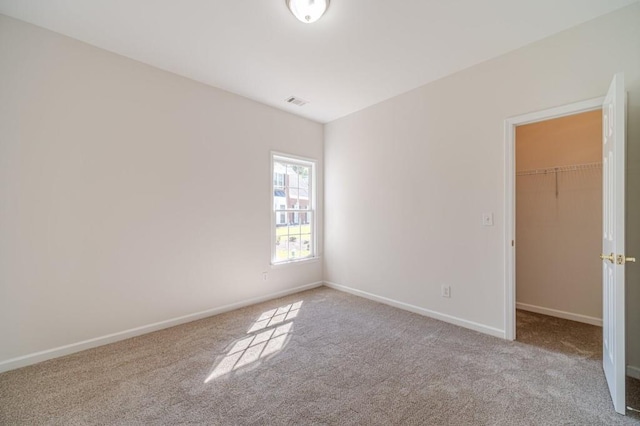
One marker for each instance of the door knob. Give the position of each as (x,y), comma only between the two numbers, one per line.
(621,260)
(611,258)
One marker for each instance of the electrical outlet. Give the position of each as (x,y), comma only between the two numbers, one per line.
(446,291)
(265,276)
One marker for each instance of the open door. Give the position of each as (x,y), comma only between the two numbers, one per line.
(613,258)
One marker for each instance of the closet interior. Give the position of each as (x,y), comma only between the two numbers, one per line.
(559,217)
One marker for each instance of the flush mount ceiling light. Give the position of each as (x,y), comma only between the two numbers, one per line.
(307,11)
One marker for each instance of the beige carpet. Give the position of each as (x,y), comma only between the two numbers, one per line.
(324,357)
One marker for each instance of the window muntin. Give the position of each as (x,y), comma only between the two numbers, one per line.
(293,213)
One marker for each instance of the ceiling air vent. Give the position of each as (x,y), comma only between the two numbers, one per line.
(296,101)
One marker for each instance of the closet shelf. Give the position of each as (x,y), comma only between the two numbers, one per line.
(560,169)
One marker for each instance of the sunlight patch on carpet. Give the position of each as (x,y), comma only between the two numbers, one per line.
(266,336)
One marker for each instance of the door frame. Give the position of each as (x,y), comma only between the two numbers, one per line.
(510,195)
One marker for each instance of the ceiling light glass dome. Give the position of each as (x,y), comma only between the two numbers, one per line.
(308,11)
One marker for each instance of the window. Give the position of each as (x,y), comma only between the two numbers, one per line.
(278,180)
(293,227)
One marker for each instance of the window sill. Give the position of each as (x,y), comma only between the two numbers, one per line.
(295,262)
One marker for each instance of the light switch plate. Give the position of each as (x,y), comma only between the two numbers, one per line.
(487,219)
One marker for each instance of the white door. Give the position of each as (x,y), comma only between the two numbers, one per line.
(613,260)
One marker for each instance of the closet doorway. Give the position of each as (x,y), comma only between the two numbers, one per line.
(558,227)
(559,217)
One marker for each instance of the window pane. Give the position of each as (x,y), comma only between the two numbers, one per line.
(304,218)
(293,198)
(279,171)
(278,180)
(282,248)
(305,245)
(294,246)
(292,174)
(305,226)
(304,190)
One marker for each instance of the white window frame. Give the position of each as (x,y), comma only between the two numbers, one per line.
(300,161)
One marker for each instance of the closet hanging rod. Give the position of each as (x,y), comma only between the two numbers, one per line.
(560,169)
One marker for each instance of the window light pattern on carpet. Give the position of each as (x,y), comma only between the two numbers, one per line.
(266,336)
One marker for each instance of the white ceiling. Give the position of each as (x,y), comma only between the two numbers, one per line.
(360,53)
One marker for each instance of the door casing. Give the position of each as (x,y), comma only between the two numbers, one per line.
(510,196)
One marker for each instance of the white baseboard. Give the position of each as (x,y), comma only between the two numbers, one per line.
(633,371)
(23,361)
(420,311)
(560,314)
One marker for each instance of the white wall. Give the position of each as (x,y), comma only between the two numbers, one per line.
(129,195)
(408,179)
